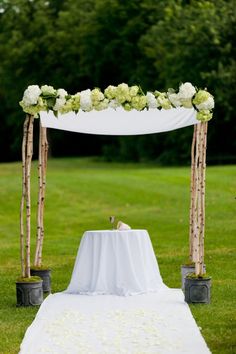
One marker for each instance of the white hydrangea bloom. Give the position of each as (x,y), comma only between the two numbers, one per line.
(59,103)
(174,99)
(134,90)
(151,100)
(187,103)
(85,100)
(186,91)
(113,104)
(96,95)
(110,92)
(62,93)
(204,115)
(123,87)
(163,101)
(48,90)
(207,105)
(31,95)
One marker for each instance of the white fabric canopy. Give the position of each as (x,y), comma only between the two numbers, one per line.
(121,122)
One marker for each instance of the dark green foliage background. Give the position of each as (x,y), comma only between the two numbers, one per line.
(79,44)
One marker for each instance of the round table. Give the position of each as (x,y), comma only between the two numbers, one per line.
(115,262)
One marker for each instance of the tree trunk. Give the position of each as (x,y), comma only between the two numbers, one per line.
(195,199)
(40,191)
(199,210)
(29,153)
(203,175)
(199,200)
(23,197)
(43,167)
(192,195)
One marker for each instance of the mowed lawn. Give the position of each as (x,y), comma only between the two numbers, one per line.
(83,193)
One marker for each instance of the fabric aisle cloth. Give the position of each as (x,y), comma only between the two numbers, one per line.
(115,262)
(107,324)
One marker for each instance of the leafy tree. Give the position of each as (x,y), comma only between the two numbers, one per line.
(87,43)
(194,41)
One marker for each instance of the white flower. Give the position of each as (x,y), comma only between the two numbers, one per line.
(31,95)
(208,104)
(59,103)
(163,101)
(204,115)
(62,93)
(151,100)
(123,87)
(133,90)
(96,95)
(186,91)
(187,103)
(113,104)
(174,99)
(85,100)
(48,90)
(110,92)
(203,100)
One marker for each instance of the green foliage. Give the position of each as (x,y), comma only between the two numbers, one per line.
(82,193)
(87,43)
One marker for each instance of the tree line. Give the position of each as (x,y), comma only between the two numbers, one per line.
(83,44)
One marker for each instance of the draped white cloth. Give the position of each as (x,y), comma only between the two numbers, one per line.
(121,122)
(148,323)
(107,324)
(115,262)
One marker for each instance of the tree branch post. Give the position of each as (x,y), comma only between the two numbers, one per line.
(192,195)
(23,196)
(29,153)
(42,167)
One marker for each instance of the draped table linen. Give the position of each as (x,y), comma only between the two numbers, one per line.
(115,262)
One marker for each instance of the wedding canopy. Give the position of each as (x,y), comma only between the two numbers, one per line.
(121,122)
(119,110)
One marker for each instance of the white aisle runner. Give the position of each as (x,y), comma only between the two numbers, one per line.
(158,322)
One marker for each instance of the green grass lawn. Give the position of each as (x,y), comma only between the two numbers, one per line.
(82,193)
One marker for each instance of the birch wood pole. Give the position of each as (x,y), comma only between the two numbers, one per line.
(40,188)
(29,153)
(195,200)
(199,195)
(22,203)
(192,195)
(44,169)
(199,200)
(203,175)
(42,166)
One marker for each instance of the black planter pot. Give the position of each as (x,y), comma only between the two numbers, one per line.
(185,269)
(197,290)
(29,293)
(45,275)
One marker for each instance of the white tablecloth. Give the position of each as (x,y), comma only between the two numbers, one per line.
(115,262)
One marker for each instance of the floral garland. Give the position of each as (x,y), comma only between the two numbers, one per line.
(45,98)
